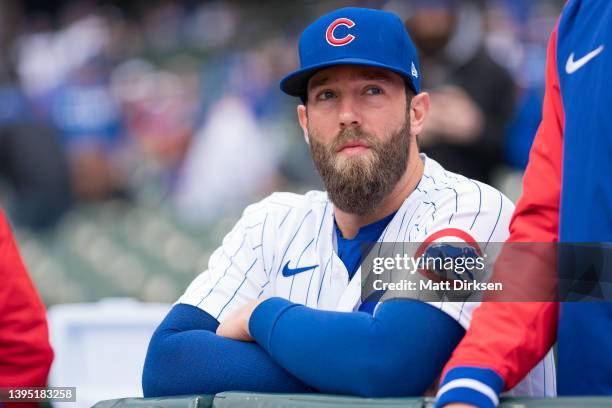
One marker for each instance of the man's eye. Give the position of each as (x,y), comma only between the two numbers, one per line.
(325,95)
(374,90)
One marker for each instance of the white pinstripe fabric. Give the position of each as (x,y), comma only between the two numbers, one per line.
(299,230)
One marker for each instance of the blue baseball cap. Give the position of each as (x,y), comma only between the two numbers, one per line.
(354,36)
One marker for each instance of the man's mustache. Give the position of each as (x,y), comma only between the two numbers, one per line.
(353,134)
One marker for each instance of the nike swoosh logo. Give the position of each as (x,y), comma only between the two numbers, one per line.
(287,271)
(572,66)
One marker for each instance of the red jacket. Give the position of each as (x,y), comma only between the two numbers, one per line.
(25,352)
(536,219)
(507,339)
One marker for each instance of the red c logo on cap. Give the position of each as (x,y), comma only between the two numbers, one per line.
(329,33)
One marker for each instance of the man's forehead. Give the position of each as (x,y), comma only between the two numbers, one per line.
(354,72)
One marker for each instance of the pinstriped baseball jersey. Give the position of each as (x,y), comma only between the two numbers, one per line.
(285,246)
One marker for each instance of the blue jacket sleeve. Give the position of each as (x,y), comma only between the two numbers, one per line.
(185,356)
(399,351)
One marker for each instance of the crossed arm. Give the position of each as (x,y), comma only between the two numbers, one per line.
(185,356)
(279,346)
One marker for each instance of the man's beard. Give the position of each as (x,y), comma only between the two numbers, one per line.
(358,184)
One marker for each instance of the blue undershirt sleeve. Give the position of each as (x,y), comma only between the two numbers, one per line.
(399,351)
(185,356)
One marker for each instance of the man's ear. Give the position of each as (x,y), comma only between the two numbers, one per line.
(303,119)
(419,107)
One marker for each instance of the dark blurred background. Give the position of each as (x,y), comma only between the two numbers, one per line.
(132,134)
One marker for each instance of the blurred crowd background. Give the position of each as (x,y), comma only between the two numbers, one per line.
(132,134)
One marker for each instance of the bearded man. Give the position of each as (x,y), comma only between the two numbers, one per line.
(279,307)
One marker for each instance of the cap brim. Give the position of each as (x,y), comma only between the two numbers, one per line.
(295,84)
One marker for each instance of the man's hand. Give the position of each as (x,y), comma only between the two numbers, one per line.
(453,118)
(236,326)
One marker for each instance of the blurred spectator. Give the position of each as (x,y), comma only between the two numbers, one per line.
(46,57)
(160,108)
(229,163)
(472,96)
(65,75)
(90,125)
(517,37)
(32,161)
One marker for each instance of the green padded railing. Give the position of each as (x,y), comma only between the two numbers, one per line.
(243,399)
(256,400)
(181,401)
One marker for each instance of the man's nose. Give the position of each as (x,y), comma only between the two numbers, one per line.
(349,115)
